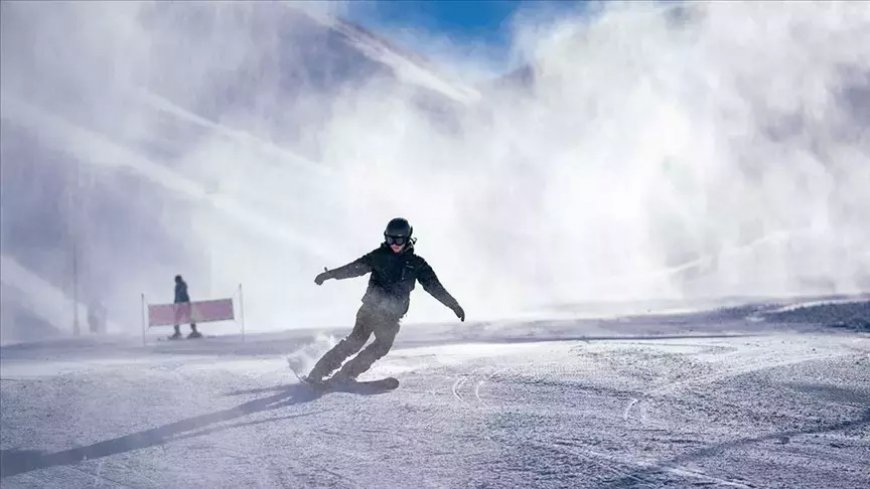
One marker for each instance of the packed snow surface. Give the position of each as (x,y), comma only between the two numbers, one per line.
(684,400)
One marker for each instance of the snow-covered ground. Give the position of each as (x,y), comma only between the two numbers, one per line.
(717,399)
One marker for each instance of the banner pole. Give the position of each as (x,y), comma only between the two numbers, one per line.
(143,320)
(242,311)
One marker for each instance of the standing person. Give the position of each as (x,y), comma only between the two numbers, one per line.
(394,270)
(181,297)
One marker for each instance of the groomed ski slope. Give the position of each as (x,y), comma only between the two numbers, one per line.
(693,400)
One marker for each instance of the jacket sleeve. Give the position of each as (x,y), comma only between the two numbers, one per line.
(356,268)
(432,285)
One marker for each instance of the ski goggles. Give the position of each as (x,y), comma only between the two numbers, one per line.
(396,240)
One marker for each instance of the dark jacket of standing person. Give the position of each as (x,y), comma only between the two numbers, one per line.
(181,290)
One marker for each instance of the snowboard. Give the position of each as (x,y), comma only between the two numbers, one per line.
(358,386)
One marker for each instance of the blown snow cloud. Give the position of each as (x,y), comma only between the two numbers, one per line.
(640,151)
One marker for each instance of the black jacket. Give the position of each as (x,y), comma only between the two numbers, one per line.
(394,276)
(181,292)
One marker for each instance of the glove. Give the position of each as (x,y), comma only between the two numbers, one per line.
(321,277)
(460,313)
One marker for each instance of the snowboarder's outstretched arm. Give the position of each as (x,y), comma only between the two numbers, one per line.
(432,285)
(356,268)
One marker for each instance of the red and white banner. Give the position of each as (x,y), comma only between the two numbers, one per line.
(190,312)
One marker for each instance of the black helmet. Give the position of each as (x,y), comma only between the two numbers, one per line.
(398,231)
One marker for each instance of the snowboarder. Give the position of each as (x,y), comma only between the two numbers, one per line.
(183,310)
(394,270)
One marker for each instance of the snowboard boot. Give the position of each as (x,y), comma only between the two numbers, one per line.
(341,379)
(176,335)
(194,334)
(312,378)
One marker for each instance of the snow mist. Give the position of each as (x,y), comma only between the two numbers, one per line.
(638,152)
